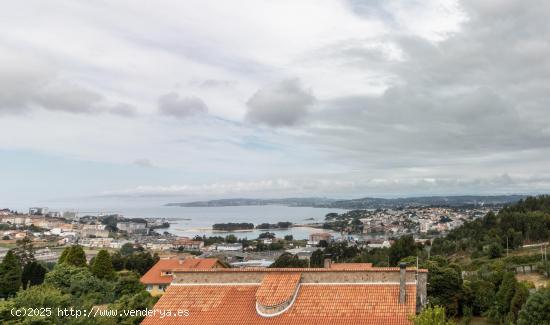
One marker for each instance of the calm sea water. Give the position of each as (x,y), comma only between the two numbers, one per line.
(196,220)
(199,220)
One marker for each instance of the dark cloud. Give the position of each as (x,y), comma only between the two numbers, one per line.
(282,104)
(171,104)
(481,92)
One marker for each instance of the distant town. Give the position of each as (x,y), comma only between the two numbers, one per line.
(51,231)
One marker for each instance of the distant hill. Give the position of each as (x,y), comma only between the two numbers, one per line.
(451,201)
(364,203)
(292,202)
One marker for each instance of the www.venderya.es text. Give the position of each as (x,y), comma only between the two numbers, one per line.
(96,312)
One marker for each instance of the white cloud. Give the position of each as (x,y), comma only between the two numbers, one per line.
(171,104)
(388,90)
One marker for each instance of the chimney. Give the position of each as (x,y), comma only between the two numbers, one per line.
(402,282)
(327,261)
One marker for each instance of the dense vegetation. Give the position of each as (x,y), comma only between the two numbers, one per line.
(109,282)
(527,221)
(468,272)
(278,225)
(231,226)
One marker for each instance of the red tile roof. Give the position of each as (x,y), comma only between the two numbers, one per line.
(257,269)
(277,288)
(318,304)
(154,275)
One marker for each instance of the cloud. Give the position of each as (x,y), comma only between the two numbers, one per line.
(28,83)
(342,187)
(123,109)
(281,104)
(476,94)
(171,104)
(444,91)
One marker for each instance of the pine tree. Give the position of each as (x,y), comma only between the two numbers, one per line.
(10,275)
(33,274)
(519,299)
(63,255)
(73,255)
(317,259)
(102,266)
(503,299)
(25,251)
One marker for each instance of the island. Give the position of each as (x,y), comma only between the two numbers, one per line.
(231,226)
(278,225)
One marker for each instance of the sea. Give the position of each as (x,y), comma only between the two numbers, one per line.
(193,221)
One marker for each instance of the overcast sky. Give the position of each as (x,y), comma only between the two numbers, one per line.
(209,99)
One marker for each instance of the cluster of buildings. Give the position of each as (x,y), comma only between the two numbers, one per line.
(397,222)
(338,293)
(68,227)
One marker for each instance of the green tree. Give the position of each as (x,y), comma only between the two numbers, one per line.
(73,255)
(33,274)
(402,247)
(76,256)
(288,260)
(128,284)
(317,259)
(444,284)
(231,239)
(40,296)
(63,275)
(86,289)
(140,262)
(118,261)
(10,275)
(495,250)
(25,251)
(503,298)
(518,300)
(479,294)
(102,266)
(139,301)
(432,316)
(127,249)
(537,308)
(63,255)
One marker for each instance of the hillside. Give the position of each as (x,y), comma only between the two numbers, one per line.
(363,203)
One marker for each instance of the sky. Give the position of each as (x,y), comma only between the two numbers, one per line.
(203,99)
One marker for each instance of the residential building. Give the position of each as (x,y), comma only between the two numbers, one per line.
(379,244)
(96,242)
(159,277)
(159,246)
(132,227)
(303,253)
(187,244)
(315,238)
(94,231)
(353,294)
(38,211)
(229,247)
